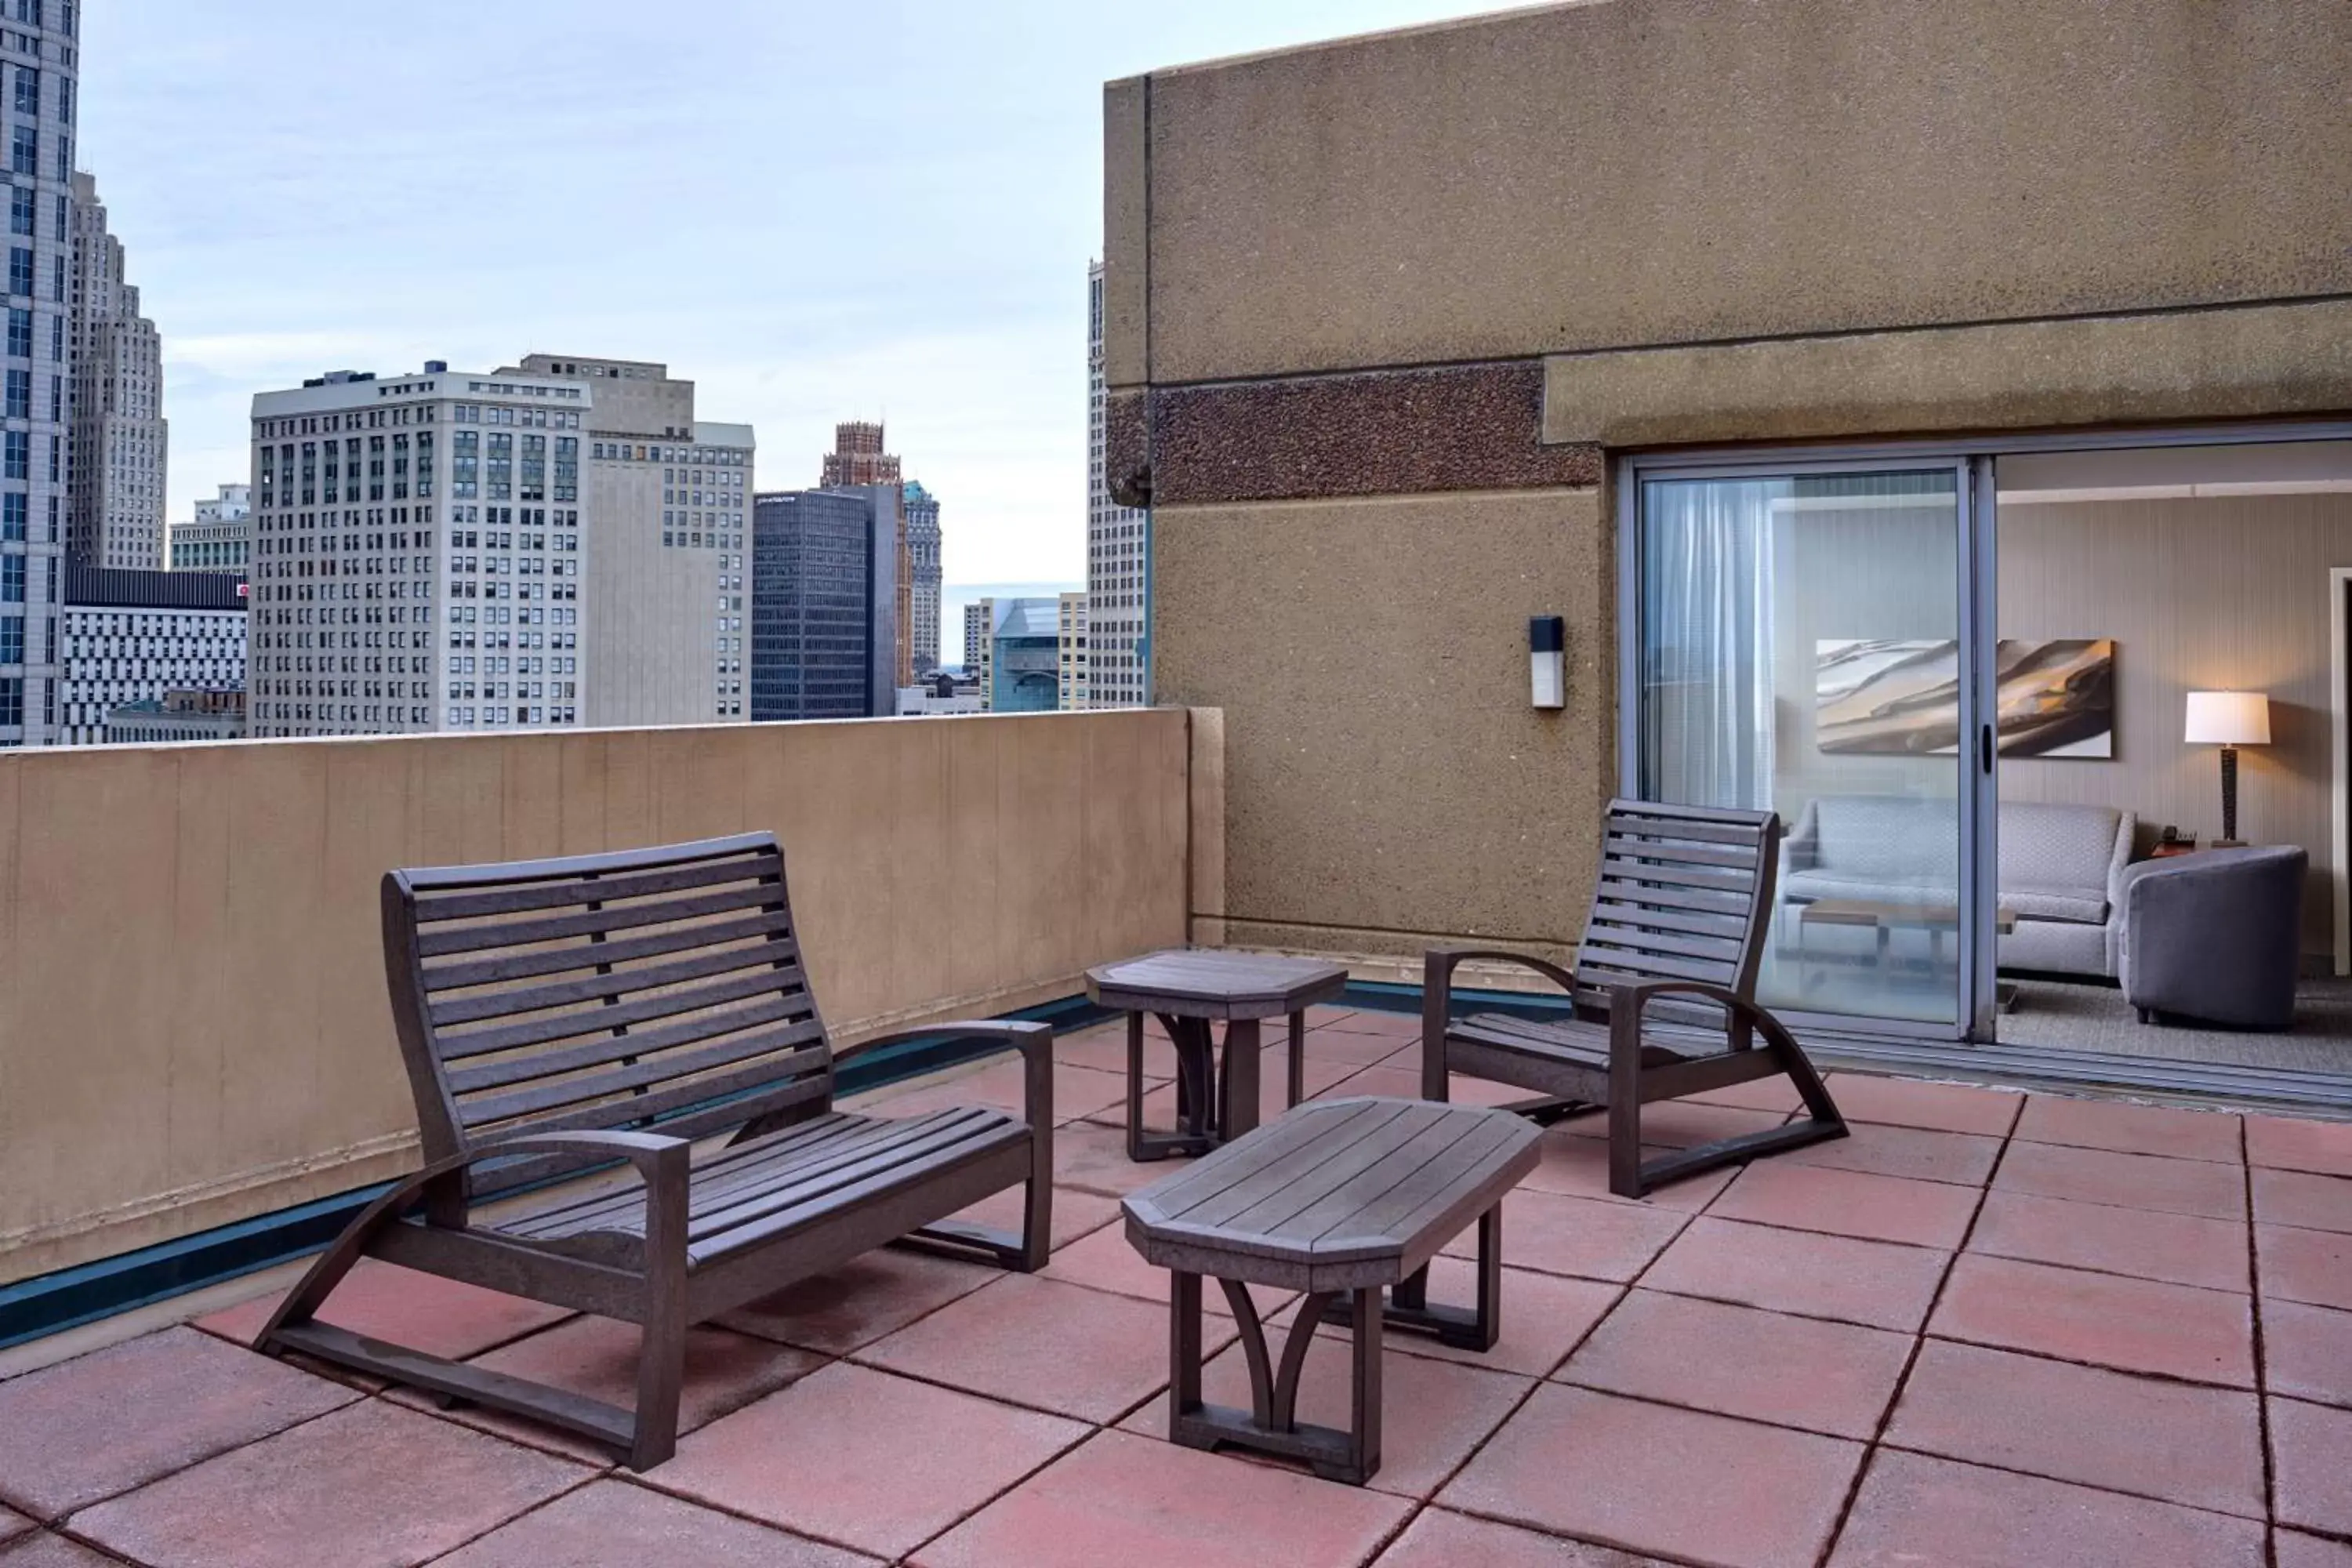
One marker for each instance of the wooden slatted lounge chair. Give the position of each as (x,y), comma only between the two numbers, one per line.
(1681,913)
(623,1050)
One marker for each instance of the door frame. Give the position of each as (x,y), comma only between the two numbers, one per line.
(1975,458)
(2339,704)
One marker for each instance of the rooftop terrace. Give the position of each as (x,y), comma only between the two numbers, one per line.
(1987,1329)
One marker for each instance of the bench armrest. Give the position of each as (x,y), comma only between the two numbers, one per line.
(1437,1001)
(1034,1041)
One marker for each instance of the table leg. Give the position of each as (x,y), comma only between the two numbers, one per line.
(1183,1347)
(1364,1405)
(1238,1114)
(1297,1059)
(1135,1149)
(1474,1328)
(1195,1092)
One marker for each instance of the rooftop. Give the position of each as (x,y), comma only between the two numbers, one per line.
(1985,1320)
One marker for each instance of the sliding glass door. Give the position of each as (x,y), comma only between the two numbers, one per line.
(1803,641)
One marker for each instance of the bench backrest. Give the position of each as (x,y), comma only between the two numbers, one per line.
(656,987)
(1686,893)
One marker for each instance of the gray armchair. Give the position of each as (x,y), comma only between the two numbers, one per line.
(2215,938)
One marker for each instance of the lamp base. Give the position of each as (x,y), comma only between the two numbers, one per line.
(2229,794)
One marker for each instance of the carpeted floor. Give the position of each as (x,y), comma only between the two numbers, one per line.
(2068,1017)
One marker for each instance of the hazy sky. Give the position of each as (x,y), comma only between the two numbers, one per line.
(815,212)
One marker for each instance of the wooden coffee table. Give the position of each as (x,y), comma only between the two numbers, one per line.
(1341,1199)
(1190,989)
(1887,918)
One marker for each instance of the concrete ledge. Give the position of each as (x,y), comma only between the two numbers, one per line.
(2257,360)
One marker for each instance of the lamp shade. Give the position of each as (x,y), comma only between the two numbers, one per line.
(2229,718)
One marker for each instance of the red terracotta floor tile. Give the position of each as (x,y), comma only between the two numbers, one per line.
(117,1419)
(1765,1094)
(1078,1091)
(1107,1261)
(1438,1538)
(611,1521)
(2307,1352)
(1544,1317)
(2181,1248)
(1140,1503)
(1553,1235)
(1401,1026)
(1924,1513)
(1077,1213)
(1681,1124)
(1922,1154)
(2125,1181)
(1652,1479)
(2313,1266)
(2173,1441)
(13,1525)
(1875,1283)
(863,1458)
(1273,1093)
(2299,1198)
(1434,1413)
(2286,1144)
(2296,1549)
(861,1301)
(1834,1378)
(1103,1048)
(1402,1081)
(53,1552)
(598,1357)
(1850,1202)
(1092,1157)
(421,1311)
(370,1484)
(2105,1319)
(2132,1129)
(1042,1343)
(1578,1167)
(1937,1106)
(2311,1450)
(1357,1050)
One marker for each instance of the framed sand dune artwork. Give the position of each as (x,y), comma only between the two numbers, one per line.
(1889,698)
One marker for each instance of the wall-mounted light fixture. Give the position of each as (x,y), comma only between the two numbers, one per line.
(1547,661)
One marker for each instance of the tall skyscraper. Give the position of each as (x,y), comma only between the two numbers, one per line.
(858,458)
(922,510)
(120,444)
(427,556)
(221,537)
(823,593)
(668,505)
(1119,549)
(39,70)
(975,634)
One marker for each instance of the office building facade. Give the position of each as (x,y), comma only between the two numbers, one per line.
(860,458)
(131,636)
(1119,549)
(473,550)
(669,505)
(115,510)
(823,593)
(975,634)
(922,514)
(1034,656)
(204,714)
(221,537)
(39,64)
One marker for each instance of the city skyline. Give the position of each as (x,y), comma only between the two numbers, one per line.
(276,247)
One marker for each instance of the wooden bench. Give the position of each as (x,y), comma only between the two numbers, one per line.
(1339,1199)
(1679,918)
(560,1018)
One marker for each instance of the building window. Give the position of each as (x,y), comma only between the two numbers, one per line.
(12,579)
(20,281)
(24,149)
(12,516)
(12,639)
(28,90)
(19,394)
(16,456)
(20,210)
(12,701)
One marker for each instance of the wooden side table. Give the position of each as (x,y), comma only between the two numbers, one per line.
(1347,1200)
(1191,989)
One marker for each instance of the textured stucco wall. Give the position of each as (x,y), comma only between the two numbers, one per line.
(1637,172)
(1708,221)
(1386,778)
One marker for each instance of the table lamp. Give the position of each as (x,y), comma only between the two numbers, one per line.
(2229,719)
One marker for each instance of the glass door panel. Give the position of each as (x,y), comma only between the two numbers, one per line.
(1800,650)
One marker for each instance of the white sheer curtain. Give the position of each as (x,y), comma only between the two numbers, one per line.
(1706,574)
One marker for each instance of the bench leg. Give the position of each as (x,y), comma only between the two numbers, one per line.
(1474,1328)
(1271,1424)
(1298,1060)
(661,1353)
(1237,1112)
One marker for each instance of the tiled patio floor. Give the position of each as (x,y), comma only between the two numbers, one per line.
(1986,1329)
